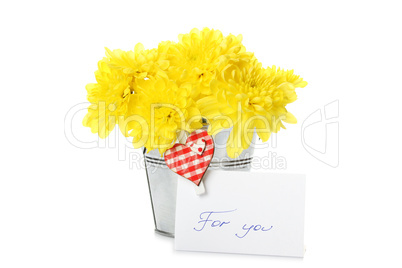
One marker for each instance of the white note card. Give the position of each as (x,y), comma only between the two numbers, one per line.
(242,212)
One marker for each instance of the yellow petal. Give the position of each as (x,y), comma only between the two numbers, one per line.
(139,47)
(163,64)
(290,118)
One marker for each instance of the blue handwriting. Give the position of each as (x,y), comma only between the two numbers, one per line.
(205,218)
(255,228)
(210,219)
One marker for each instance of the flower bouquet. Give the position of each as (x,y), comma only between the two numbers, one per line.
(204,81)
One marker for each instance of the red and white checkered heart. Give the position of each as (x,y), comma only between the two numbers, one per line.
(192,159)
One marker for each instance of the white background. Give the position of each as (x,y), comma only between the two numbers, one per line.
(64,206)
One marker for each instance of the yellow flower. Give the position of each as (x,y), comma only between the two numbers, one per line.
(117,77)
(109,99)
(161,111)
(246,96)
(140,63)
(195,58)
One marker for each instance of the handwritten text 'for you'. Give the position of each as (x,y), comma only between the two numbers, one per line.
(211,219)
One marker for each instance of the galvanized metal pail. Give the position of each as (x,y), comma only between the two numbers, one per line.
(162,182)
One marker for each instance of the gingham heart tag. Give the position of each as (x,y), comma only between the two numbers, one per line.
(192,159)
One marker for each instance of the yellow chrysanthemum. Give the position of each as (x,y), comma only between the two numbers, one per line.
(140,63)
(161,111)
(117,77)
(109,99)
(246,96)
(195,58)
